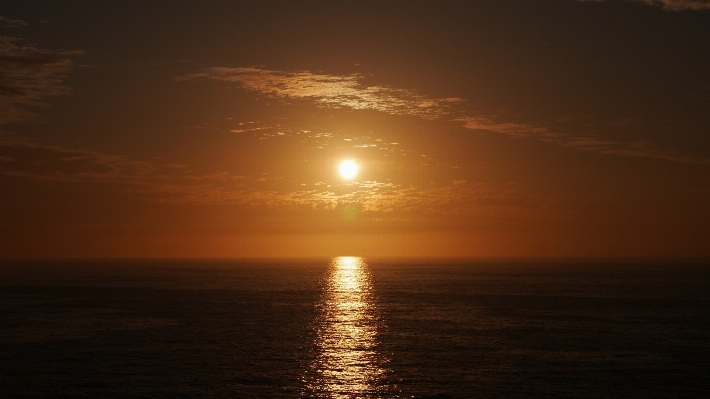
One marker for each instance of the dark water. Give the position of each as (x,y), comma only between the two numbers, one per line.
(349,327)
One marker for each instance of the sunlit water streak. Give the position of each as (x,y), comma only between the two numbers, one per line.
(347,363)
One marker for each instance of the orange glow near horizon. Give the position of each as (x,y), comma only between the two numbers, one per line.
(419,137)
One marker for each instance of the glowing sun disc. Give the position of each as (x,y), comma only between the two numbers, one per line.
(348,169)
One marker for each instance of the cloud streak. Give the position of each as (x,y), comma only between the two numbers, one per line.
(179,184)
(417,203)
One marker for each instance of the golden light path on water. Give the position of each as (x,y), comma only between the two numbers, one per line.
(347,364)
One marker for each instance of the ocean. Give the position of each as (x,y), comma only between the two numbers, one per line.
(351,327)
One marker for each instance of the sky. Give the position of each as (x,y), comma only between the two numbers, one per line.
(510,129)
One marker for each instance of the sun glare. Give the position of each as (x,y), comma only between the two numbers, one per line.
(348,169)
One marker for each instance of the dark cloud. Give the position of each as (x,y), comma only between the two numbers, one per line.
(28,75)
(25,159)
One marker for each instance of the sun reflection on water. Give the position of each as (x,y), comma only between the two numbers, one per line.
(348,364)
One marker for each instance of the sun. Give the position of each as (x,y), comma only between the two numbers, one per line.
(348,169)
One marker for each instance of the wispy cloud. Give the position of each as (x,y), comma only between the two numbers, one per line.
(348,92)
(671,5)
(517,130)
(330,90)
(28,75)
(639,148)
(245,127)
(11,23)
(677,5)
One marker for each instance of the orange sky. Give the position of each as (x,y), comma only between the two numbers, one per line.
(482,129)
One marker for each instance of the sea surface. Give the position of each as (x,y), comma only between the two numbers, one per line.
(351,327)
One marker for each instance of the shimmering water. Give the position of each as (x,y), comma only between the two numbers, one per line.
(346,359)
(351,327)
